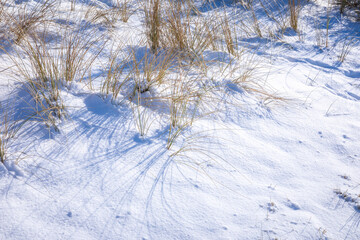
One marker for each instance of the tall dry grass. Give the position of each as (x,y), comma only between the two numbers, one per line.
(78,50)
(116,76)
(22,20)
(187,31)
(6,134)
(153,22)
(45,66)
(39,72)
(294,8)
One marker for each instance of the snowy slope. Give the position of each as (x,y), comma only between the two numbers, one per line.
(283,167)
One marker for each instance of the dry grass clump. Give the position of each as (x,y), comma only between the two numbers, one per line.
(177,25)
(45,66)
(283,14)
(188,32)
(143,116)
(277,13)
(136,75)
(150,72)
(153,23)
(248,19)
(256,24)
(41,75)
(151,69)
(229,32)
(152,81)
(78,51)
(321,36)
(2,10)
(132,74)
(18,21)
(349,4)
(104,17)
(9,129)
(294,8)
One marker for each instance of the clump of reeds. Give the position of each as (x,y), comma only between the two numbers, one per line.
(23,19)
(153,23)
(187,31)
(45,66)
(40,73)
(294,8)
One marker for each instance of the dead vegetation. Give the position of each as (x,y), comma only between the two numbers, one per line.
(51,55)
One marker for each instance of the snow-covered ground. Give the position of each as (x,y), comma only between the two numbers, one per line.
(276,157)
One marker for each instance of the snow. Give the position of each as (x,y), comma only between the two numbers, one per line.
(248,168)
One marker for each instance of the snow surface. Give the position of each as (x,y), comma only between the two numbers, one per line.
(254,169)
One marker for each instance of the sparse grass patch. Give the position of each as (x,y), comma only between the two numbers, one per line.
(186,95)
(147,73)
(105,17)
(255,24)
(108,17)
(319,35)
(277,13)
(347,45)
(6,134)
(116,77)
(143,116)
(198,145)
(9,129)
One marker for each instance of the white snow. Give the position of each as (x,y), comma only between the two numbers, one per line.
(249,167)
